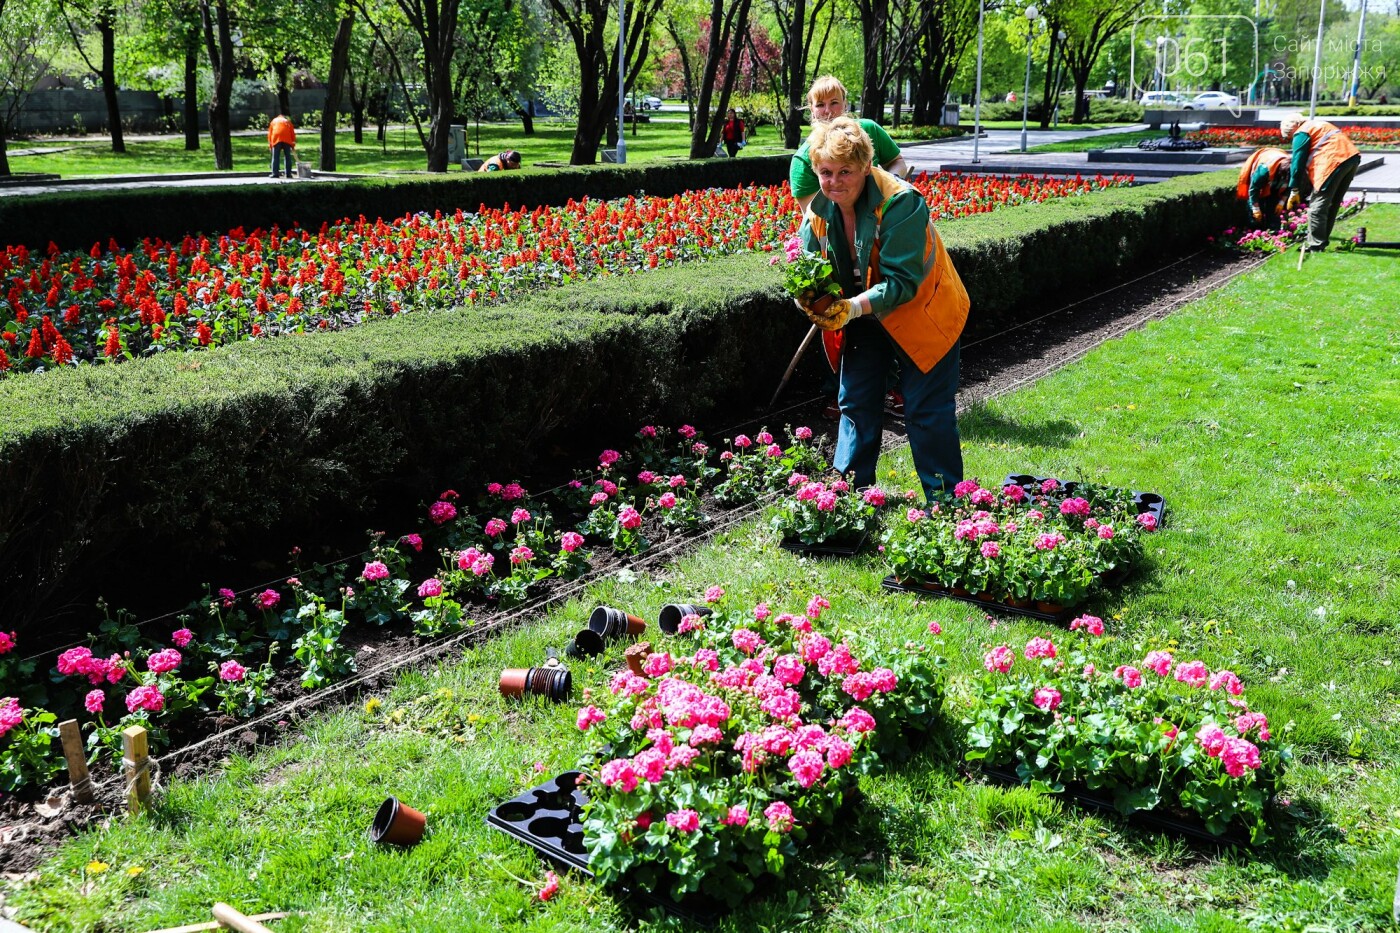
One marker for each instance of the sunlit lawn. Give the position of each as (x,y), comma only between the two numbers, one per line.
(1264,415)
(401,150)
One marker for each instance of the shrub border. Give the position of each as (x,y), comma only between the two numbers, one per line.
(167,461)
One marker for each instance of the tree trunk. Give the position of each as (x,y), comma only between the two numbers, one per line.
(191,104)
(441,127)
(284,91)
(527,118)
(330,110)
(796,65)
(107,28)
(4,157)
(220,50)
(1081,103)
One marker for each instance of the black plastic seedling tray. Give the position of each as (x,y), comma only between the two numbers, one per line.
(1185,826)
(549,819)
(828,549)
(1145,501)
(890,583)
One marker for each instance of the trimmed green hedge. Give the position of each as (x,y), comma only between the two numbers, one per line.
(164,462)
(77,219)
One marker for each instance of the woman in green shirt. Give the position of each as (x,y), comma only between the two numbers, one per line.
(827,100)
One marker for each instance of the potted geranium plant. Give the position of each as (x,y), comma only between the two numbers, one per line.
(1152,734)
(708,770)
(830,515)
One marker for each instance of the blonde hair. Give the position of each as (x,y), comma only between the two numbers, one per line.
(825,86)
(842,141)
(1290,123)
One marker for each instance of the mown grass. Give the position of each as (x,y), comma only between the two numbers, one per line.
(666,138)
(1265,413)
(1106,141)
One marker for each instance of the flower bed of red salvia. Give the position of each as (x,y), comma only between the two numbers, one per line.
(1364,136)
(109,303)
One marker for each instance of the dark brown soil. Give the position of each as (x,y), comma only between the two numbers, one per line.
(992,364)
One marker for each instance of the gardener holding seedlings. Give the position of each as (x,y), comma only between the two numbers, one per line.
(1324,162)
(905,303)
(1262,183)
(827,100)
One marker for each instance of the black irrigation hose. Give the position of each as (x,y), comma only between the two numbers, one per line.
(733,518)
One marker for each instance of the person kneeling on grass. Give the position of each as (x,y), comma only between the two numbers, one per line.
(503,162)
(906,304)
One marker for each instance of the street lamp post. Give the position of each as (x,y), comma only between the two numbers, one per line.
(1317,59)
(1032,14)
(977,100)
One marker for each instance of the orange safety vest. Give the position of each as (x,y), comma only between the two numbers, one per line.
(927,325)
(1330,148)
(1275,159)
(280,130)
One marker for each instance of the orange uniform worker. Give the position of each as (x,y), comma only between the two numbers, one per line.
(501,162)
(282,139)
(1263,180)
(1325,161)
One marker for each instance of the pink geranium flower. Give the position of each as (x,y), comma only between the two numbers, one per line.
(779,816)
(163,661)
(375,570)
(232,672)
(1091,624)
(95,701)
(441,512)
(999,659)
(1047,698)
(1039,648)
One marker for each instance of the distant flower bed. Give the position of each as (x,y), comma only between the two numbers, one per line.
(1367,137)
(107,304)
(710,769)
(1155,733)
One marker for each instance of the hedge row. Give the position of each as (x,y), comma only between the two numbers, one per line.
(166,461)
(77,219)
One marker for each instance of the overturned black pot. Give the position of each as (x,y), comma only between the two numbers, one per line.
(673,613)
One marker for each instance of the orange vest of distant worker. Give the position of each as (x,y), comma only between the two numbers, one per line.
(1330,148)
(1275,159)
(927,325)
(280,130)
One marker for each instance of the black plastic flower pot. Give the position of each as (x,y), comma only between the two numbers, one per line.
(587,644)
(614,623)
(673,613)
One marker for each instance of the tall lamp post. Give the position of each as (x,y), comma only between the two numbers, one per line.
(1032,14)
(977,100)
(621,84)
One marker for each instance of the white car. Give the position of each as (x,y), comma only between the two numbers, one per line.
(1167,100)
(651,102)
(1211,99)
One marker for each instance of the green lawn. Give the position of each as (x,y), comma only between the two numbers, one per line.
(1034,126)
(1264,415)
(552,141)
(1107,141)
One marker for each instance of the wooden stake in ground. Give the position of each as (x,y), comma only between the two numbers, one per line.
(72,740)
(1302,254)
(210,925)
(136,763)
(237,921)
